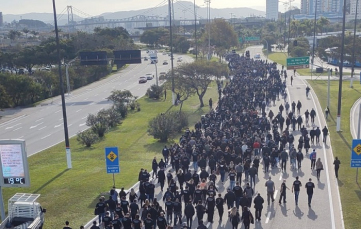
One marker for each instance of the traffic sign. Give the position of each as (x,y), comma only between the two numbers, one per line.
(252,38)
(240,39)
(112,159)
(356,153)
(298,62)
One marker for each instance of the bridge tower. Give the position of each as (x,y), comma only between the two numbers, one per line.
(70,18)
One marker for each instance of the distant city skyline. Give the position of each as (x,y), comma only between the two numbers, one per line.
(94,8)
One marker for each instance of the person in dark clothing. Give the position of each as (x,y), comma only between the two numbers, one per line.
(95,225)
(230,198)
(210,103)
(161,178)
(337,163)
(111,206)
(258,205)
(201,225)
(317,135)
(200,209)
(283,192)
(210,204)
(234,217)
(161,221)
(148,222)
(100,209)
(189,213)
(246,218)
(137,223)
(325,133)
(165,153)
(219,205)
(134,209)
(154,167)
(127,222)
(169,210)
(309,188)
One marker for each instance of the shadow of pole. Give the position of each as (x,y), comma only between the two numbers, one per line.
(51,180)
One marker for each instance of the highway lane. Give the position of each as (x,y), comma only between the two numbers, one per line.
(326,209)
(42,127)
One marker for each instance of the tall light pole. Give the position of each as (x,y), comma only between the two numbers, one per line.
(338,120)
(208,2)
(314,39)
(66,134)
(170,5)
(289,27)
(353,50)
(195,29)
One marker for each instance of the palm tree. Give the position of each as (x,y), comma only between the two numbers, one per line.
(321,23)
(13,34)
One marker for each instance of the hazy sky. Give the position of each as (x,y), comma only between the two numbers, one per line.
(96,7)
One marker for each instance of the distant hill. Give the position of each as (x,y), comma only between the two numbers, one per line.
(182,9)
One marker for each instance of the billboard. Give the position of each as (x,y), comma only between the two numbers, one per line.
(93,58)
(122,57)
(14,170)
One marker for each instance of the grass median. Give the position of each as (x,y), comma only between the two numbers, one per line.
(341,145)
(72,194)
(281,57)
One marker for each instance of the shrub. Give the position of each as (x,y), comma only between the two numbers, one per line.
(122,109)
(166,125)
(87,137)
(155,92)
(98,123)
(114,117)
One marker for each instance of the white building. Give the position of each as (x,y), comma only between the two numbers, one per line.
(272,9)
(351,16)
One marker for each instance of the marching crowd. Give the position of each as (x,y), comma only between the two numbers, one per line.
(228,143)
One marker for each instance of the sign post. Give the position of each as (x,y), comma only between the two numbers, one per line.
(298,62)
(112,161)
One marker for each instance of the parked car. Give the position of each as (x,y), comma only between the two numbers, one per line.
(165,62)
(257,56)
(145,58)
(143,79)
(149,76)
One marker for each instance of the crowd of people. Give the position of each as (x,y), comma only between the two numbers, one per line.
(228,143)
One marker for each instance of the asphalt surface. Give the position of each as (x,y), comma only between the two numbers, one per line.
(326,211)
(42,126)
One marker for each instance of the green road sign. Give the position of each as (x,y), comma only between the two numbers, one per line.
(298,62)
(240,39)
(252,38)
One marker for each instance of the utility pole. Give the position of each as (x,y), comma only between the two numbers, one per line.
(208,2)
(314,39)
(353,50)
(170,5)
(195,29)
(66,134)
(338,120)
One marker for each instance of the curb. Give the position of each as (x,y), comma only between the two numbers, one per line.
(352,111)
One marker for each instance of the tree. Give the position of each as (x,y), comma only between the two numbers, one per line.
(87,137)
(26,31)
(155,92)
(199,74)
(154,36)
(4,98)
(321,23)
(13,34)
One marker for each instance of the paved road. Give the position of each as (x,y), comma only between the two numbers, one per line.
(355,118)
(326,210)
(42,126)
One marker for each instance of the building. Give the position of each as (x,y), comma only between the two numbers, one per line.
(1,19)
(351,16)
(304,7)
(272,9)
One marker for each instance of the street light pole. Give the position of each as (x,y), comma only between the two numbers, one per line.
(67,74)
(314,39)
(156,73)
(195,29)
(353,50)
(338,120)
(66,134)
(171,49)
(209,27)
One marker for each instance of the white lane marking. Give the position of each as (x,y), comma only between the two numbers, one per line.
(78,110)
(58,125)
(45,136)
(327,173)
(61,119)
(17,129)
(92,103)
(10,127)
(13,120)
(72,104)
(275,194)
(268,216)
(57,111)
(42,128)
(39,119)
(70,125)
(20,137)
(36,125)
(84,117)
(83,124)
(96,94)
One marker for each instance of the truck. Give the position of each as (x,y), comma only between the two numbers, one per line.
(153,56)
(24,212)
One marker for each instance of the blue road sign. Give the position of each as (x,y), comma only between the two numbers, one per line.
(112,159)
(356,153)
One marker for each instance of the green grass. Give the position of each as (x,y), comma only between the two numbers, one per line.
(341,145)
(281,57)
(72,194)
